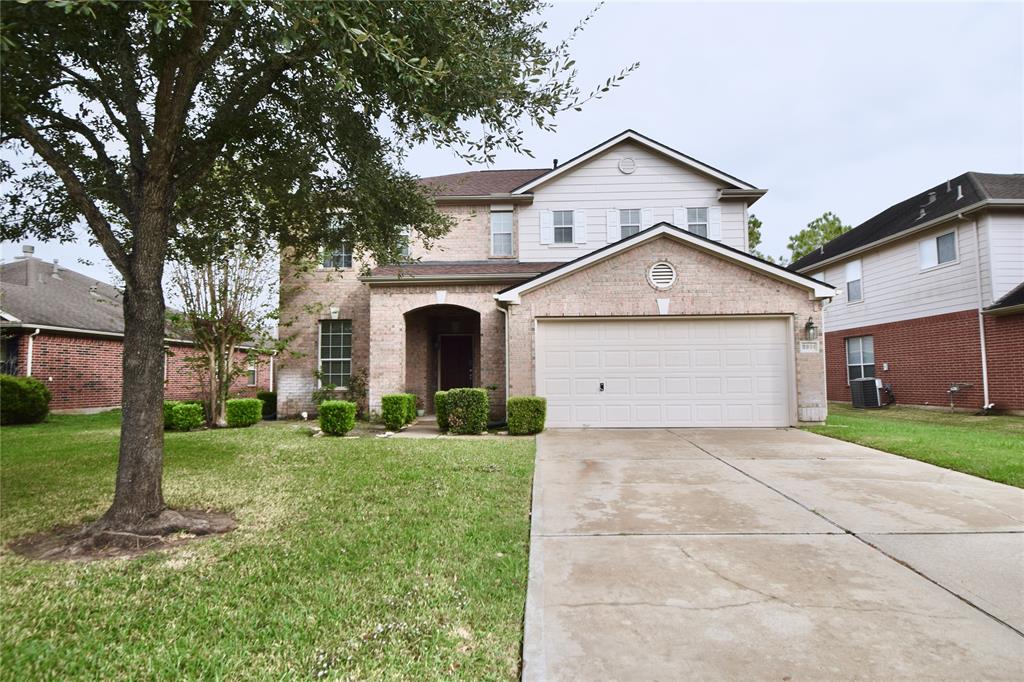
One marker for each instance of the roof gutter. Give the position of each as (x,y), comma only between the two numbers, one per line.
(1006,310)
(91,332)
(751,195)
(503,197)
(421,279)
(985,203)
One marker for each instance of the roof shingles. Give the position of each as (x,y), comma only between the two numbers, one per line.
(480,182)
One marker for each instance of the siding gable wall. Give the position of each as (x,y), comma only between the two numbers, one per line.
(597,186)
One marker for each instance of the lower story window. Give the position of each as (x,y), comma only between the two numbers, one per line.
(335,352)
(250,374)
(860,357)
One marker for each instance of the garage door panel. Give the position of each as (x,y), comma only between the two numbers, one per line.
(664,372)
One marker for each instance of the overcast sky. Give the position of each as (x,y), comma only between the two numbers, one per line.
(832,107)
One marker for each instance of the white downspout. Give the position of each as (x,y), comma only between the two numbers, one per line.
(504,310)
(272,355)
(981,317)
(28,363)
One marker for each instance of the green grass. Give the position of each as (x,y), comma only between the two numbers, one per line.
(989,447)
(354,558)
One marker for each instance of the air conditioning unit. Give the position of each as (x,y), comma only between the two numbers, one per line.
(867,392)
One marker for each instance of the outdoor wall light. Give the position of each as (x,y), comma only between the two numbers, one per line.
(335,311)
(810,330)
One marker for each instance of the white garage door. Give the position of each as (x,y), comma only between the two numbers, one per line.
(658,372)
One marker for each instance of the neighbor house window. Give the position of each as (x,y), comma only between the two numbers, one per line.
(937,250)
(860,357)
(404,250)
(501,233)
(339,258)
(335,352)
(697,221)
(629,221)
(562,221)
(250,374)
(854,283)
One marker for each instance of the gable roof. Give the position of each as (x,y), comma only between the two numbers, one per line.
(633,136)
(817,287)
(479,182)
(967,192)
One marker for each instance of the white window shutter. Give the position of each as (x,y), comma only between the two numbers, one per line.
(547,227)
(715,223)
(614,230)
(647,218)
(579,226)
(679,217)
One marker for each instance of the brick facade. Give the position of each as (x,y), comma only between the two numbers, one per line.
(705,285)
(927,354)
(83,372)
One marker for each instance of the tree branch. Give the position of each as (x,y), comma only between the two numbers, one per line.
(97,222)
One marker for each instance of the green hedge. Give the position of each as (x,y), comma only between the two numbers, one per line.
(337,417)
(243,411)
(23,400)
(184,416)
(269,399)
(394,410)
(467,410)
(410,408)
(169,406)
(526,415)
(441,409)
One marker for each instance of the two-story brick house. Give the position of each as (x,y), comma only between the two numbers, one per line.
(618,285)
(931,295)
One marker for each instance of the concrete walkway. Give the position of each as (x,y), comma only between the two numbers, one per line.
(766,554)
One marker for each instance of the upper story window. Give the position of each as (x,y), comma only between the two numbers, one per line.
(562,222)
(938,250)
(697,221)
(501,233)
(405,246)
(335,352)
(854,284)
(339,258)
(629,221)
(860,357)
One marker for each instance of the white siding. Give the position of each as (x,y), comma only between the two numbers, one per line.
(896,288)
(1004,233)
(658,183)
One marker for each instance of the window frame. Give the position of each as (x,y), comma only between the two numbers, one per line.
(252,374)
(859,281)
(345,250)
(861,364)
(346,378)
(571,227)
(639,223)
(706,222)
(933,243)
(511,234)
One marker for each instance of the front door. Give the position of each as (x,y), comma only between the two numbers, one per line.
(455,361)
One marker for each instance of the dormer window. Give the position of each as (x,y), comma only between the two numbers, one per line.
(338,258)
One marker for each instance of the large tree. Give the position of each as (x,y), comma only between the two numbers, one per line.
(115,114)
(818,232)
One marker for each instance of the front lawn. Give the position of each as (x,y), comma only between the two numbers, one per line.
(989,447)
(354,558)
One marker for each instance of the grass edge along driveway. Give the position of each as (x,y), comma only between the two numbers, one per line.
(990,447)
(354,558)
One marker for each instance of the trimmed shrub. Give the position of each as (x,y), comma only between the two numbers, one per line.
(23,400)
(394,410)
(410,408)
(269,399)
(337,417)
(526,415)
(441,409)
(186,416)
(169,406)
(243,412)
(467,410)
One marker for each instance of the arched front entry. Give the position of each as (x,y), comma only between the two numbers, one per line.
(442,350)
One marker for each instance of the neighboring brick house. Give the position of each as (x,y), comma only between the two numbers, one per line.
(618,285)
(66,330)
(931,295)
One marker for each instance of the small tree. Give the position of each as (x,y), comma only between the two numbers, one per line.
(818,232)
(224,305)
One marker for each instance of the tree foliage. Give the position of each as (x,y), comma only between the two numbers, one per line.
(818,232)
(184,127)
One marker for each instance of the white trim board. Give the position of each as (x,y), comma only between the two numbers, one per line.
(818,289)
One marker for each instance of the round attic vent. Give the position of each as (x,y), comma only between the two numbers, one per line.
(662,275)
(627,165)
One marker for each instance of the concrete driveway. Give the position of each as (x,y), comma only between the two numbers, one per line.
(766,554)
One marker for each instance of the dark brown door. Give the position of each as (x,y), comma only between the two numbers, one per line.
(456,360)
